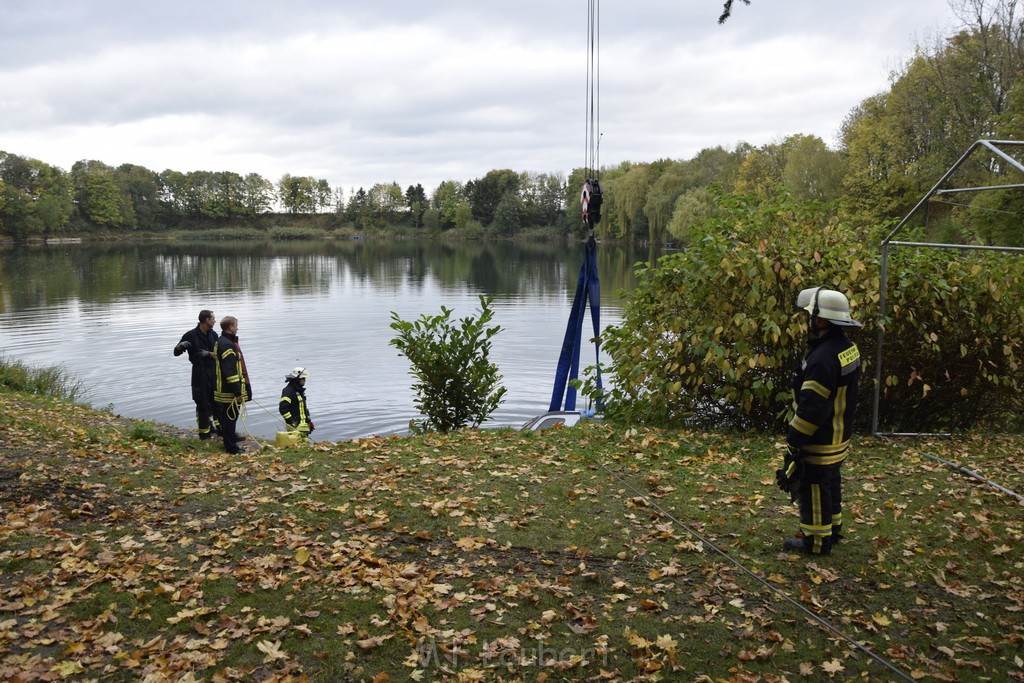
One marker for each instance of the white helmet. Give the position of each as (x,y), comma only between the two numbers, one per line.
(827,304)
(297,373)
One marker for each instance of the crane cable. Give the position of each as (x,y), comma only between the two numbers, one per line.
(592,162)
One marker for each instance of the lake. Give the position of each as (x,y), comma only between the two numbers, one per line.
(110,314)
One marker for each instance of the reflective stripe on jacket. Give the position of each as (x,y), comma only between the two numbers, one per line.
(825,399)
(292,407)
(232,378)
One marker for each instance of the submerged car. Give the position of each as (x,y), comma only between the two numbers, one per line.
(564,418)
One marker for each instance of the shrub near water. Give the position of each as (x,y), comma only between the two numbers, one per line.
(710,336)
(456,385)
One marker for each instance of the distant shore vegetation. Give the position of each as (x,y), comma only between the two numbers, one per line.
(892,148)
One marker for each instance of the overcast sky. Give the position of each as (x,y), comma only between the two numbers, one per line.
(420,92)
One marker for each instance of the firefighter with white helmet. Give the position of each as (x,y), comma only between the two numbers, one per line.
(292,406)
(825,393)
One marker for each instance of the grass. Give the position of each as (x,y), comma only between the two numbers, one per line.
(45,381)
(128,552)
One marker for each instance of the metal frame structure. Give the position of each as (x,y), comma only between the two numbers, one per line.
(994,147)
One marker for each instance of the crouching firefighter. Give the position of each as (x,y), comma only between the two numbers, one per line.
(825,400)
(292,406)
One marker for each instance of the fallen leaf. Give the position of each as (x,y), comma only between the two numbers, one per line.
(833,667)
(272,650)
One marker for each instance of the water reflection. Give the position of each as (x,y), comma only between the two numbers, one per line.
(111,314)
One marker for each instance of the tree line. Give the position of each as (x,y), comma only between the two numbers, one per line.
(708,339)
(893,147)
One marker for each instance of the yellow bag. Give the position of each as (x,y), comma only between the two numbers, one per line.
(284,439)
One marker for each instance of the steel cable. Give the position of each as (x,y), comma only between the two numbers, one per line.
(811,615)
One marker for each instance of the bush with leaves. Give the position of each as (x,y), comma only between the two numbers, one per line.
(456,383)
(710,337)
(953,356)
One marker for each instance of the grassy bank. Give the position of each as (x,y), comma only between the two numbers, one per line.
(45,381)
(128,551)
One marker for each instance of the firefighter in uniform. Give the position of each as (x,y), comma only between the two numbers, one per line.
(819,434)
(231,386)
(292,406)
(198,342)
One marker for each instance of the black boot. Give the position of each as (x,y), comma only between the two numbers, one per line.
(805,544)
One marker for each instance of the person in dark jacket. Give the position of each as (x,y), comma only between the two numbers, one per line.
(231,382)
(293,406)
(198,343)
(819,434)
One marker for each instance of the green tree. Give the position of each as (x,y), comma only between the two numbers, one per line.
(625,194)
(508,215)
(485,194)
(692,211)
(812,170)
(877,186)
(298,194)
(416,203)
(542,197)
(338,200)
(35,198)
(762,169)
(456,384)
(447,199)
(257,194)
(385,205)
(174,195)
(98,197)
(356,209)
(223,194)
(322,195)
(142,187)
(659,205)
(432,221)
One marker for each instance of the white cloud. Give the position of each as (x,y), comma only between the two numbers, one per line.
(360,93)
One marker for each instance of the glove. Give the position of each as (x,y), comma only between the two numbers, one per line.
(205,354)
(182,347)
(781,480)
(311,427)
(788,479)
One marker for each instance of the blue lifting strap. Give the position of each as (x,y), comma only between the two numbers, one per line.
(588,288)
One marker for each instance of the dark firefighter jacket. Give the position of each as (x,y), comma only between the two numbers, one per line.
(232,377)
(826,399)
(202,368)
(293,406)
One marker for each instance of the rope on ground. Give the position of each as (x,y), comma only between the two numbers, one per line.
(771,587)
(243,415)
(970,473)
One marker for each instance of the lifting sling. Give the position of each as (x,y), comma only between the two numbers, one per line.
(588,290)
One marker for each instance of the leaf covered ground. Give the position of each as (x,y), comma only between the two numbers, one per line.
(131,552)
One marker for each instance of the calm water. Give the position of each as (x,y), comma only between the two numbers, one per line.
(111,315)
